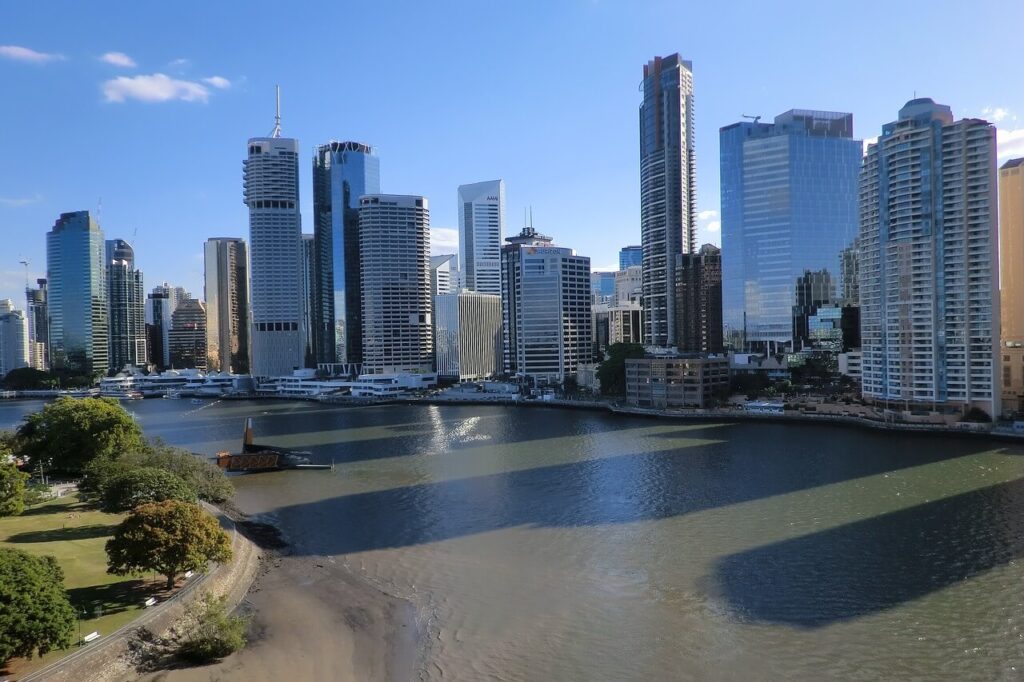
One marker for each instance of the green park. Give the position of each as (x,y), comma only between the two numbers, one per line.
(80,561)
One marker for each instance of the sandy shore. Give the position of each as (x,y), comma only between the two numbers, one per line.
(314,620)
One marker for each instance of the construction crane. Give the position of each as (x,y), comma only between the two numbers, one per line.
(24,261)
(755,119)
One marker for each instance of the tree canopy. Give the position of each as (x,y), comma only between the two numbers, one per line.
(69,433)
(35,614)
(612,372)
(169,538)
(204,477)
(12,488)
(140,486)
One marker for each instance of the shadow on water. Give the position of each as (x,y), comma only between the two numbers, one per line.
(877,563)
(616,489)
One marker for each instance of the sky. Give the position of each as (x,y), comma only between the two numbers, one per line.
(140,111)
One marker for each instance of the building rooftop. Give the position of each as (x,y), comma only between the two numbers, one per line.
(1012,163)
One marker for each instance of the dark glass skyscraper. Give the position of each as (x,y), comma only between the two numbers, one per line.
(342,172)
(127,307)
(789,204)
(699,301)
(667,189)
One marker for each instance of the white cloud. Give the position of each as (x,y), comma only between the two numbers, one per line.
(707,215)
(218,82)
(178,63)
(996,114)
(16,202)
(24,54)
(444,240)
(1009,143)
(709,226)
(614,267)
(714,226)
(869,141)
(154,88)
(118,59)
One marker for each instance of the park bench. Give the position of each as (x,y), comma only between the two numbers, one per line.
(149,602)
(91,637)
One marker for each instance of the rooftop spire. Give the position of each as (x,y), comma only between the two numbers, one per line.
(276,132)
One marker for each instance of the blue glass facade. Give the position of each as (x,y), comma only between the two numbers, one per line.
(789,205)
(630,256)
(342,172)
(77,293)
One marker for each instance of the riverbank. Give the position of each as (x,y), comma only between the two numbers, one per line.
(314,619)
(960,429)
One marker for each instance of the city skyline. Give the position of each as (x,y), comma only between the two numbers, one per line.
(215,98)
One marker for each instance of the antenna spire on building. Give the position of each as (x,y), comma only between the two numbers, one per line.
(277,116)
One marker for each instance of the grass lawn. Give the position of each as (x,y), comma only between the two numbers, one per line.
(76,534)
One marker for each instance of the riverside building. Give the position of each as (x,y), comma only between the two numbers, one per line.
(545,307)
(789,204)
(699,301)
(188,335)
(342,172)
(1011,282)
(467,335)
(481,227)
(630,256)
(928,257)
(271,192)
(667,189)
(127,307)
(77,294)
(226,287)
(394,265)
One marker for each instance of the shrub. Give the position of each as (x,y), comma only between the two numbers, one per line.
(210,632)
(35,614)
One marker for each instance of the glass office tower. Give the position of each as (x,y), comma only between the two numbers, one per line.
(342,172)
(789,205)
(77,290)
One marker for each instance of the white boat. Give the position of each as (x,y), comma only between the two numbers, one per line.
(197,401)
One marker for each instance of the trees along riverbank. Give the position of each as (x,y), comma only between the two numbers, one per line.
(139,499)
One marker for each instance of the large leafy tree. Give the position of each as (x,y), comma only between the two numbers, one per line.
(612,372)
(35,614)
(142,486)
(205,478)
(169,538)
(12,487)
(68,434)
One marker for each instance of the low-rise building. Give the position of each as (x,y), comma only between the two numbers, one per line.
(676,381)
(849,364)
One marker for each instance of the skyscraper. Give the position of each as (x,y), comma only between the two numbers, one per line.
(667,189)
(309,306)
(227,304)
(467,335)
(342,172)
(813,290)
(160,306)
(188,335)
(699,301)
(394,264)
(38,326)
(849,275)
(481,227)
(77,294)
(929,297)
(789,204)
(1011,281)
(127,307)
(630,256)
(545,308)
(14,349)
(271,182)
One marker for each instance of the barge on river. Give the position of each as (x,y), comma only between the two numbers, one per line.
(255,457)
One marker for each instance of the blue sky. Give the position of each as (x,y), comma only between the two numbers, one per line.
(148,106)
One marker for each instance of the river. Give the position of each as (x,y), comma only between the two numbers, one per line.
(546,544)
